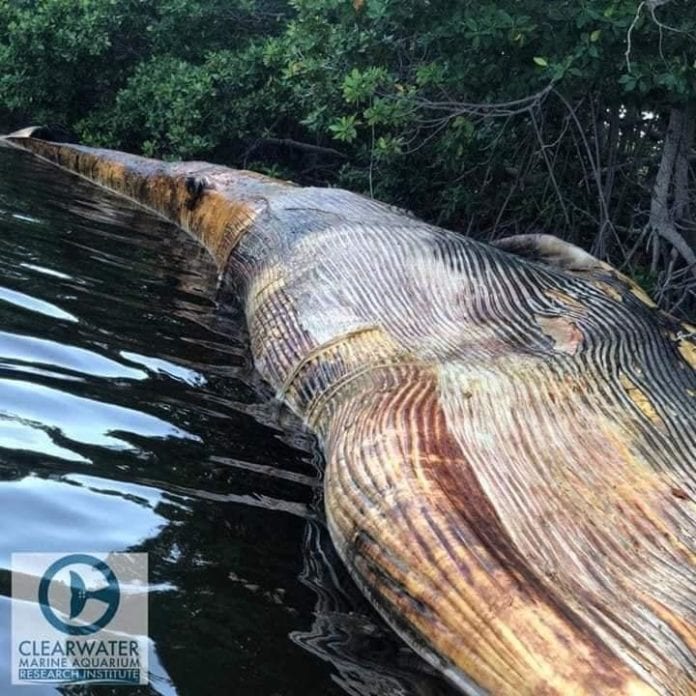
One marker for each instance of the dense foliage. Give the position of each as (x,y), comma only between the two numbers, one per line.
(501,117)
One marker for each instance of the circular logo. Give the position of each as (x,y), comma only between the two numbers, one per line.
(80,595)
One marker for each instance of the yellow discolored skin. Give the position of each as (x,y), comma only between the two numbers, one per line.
(509,431)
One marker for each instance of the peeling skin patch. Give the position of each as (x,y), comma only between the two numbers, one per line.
(563,332)
(685,345)
(642,295)
(688,352)
(609,290)
(630,285)
(564,299)
(641,400)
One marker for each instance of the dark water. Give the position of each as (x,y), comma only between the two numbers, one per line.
(131,419)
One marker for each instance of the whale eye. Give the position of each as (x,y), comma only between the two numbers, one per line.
(195,186)
(192,185)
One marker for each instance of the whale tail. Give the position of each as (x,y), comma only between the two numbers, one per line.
(80,595)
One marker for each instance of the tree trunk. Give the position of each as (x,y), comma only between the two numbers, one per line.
(662,211)
(682,207)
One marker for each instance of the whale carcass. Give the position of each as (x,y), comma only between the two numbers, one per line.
(509,430)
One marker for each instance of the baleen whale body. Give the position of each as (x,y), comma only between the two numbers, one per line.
(509,431)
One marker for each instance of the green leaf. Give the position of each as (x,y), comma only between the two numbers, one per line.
(629,82)
(464,126)
(359,86)
(541,62)
(344,129)
(594,36)
(388,145)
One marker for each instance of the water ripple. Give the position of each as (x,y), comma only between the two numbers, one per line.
(34,304)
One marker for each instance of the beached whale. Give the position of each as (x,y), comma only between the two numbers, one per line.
(509,430)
